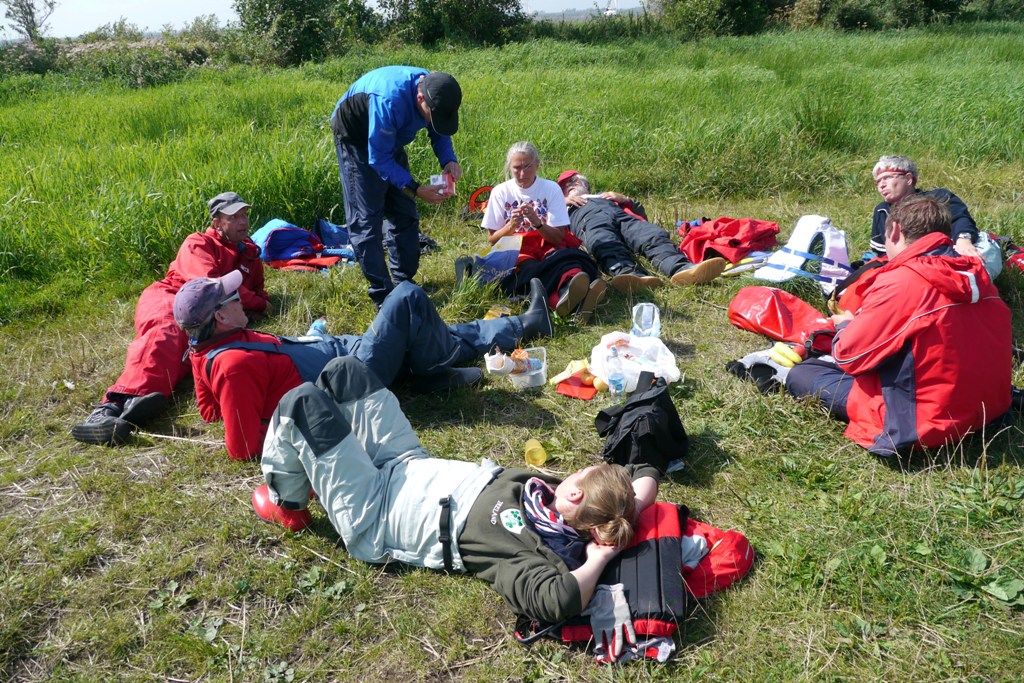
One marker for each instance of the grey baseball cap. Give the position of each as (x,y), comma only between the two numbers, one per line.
(197,300)
(226,202)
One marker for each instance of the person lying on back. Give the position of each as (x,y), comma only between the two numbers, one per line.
(541,542)
(614,229)
(240,375)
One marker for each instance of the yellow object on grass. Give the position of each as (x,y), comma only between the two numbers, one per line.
(534,453)
(571,369)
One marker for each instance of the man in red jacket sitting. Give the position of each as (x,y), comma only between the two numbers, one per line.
(156,359)
(240,375)
(926,358)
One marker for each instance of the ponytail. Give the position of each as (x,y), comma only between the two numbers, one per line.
(608,507)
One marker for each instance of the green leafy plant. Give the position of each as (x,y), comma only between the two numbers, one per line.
(206,628)
(989,495)
(971,579)
(279,672)
(170,597)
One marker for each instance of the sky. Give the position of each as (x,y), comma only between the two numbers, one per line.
(75,17)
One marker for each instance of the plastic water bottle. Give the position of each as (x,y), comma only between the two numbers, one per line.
(318,328)
(646,320)
(616,377)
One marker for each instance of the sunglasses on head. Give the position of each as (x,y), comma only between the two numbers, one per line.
(233,297)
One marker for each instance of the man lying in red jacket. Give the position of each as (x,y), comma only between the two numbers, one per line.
(240,375)
(926,358)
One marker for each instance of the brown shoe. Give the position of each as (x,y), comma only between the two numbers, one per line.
(699,273)
(631,282)
(595,295)
(574,293)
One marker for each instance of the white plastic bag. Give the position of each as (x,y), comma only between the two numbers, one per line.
(638,354)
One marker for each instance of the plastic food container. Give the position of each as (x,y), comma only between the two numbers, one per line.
(537,378)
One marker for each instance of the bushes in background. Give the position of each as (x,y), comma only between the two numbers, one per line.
(474,22)
(289,32)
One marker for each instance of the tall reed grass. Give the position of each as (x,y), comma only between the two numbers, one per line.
(100,183)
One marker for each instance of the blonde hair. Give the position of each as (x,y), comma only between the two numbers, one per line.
(608,507)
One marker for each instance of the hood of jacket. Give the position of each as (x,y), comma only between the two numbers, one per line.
(959,278)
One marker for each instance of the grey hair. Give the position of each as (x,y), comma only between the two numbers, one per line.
(893,162)
(578,184)
(521,147)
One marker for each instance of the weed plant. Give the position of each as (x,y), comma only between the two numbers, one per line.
(146,562)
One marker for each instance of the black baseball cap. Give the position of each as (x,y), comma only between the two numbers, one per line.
(226,202)
(443,96)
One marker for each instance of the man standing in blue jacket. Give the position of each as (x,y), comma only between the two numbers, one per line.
(373,122)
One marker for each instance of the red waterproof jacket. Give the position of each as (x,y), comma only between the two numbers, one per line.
(154,360)
(929,348)
(242,388)
(732,238)
(209,255)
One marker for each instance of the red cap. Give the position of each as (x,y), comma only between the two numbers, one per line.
(565,175)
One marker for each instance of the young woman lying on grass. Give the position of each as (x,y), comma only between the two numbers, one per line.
(533,207)
(540,542)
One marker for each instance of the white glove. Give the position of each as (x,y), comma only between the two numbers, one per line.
(610,621)
(762,369)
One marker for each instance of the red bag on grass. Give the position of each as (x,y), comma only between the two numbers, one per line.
(779,315)
(733,238)
(730,558)
(657,588)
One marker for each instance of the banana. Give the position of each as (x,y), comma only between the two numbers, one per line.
(784,355)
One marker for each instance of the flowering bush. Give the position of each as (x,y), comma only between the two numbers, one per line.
(28,58)
(135,64)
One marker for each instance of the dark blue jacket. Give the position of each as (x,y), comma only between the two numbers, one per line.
(962,220)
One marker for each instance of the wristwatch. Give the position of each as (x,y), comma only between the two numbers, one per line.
(965,235)
(410,189)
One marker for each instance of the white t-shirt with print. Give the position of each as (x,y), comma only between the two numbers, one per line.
(545,195)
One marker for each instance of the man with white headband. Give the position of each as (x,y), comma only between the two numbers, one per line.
(896,178)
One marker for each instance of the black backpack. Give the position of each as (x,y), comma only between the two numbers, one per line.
(646,429)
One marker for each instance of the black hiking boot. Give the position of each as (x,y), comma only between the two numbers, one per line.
(138,410)
(103,427)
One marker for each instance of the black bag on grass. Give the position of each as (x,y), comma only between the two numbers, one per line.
(646,429)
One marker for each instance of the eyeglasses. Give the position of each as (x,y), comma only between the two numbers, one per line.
(225,302)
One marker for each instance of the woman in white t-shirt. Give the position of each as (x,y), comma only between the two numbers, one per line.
(533,207)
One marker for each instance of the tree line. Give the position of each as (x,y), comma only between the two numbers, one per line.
(289,32)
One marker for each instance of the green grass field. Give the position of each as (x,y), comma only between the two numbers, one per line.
(146,562)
